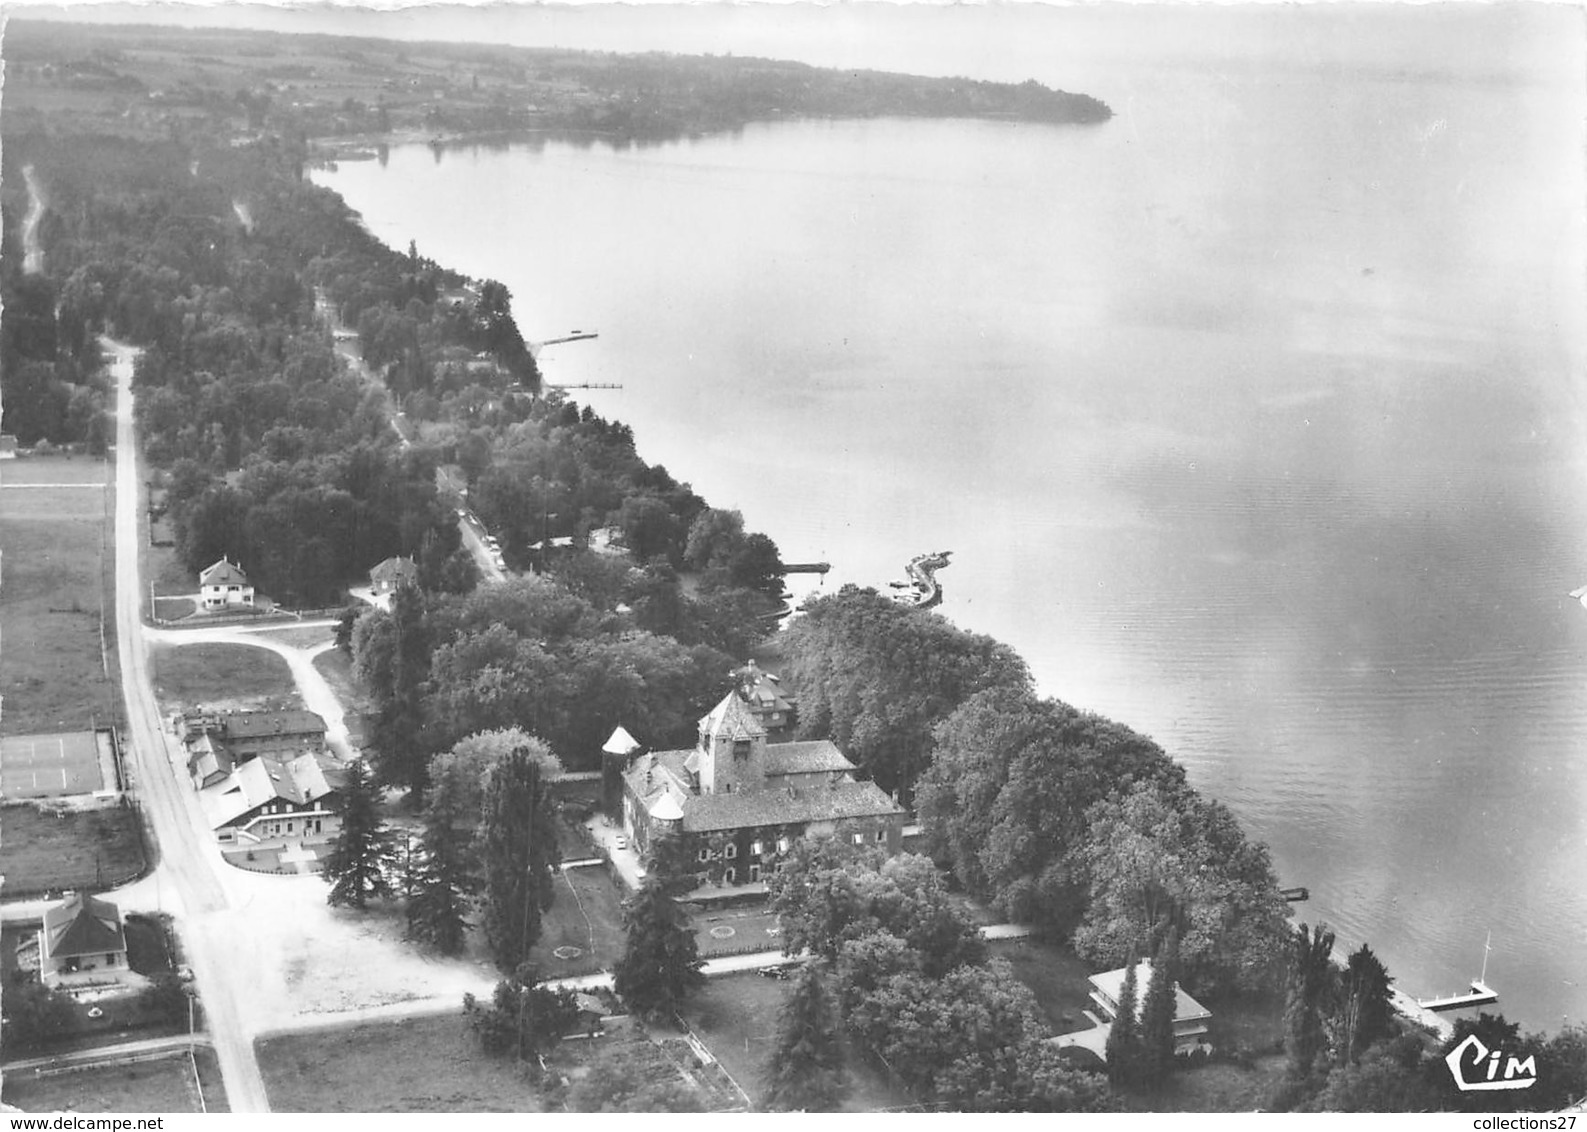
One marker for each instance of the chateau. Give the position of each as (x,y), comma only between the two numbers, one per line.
(740,801)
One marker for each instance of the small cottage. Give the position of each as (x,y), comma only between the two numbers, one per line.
(82,935)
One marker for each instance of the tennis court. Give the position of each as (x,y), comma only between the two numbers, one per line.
(44,766)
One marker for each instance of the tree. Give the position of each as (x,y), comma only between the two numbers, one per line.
(1158,855)
(1124,1052)
(805,1069)
(1366,1010)
(1006,795)
(1157,1014)
(438,910)
(875,677)
(525,1017)
(362,852)
(970,1041)
(1391,1076)
(37,1017)
(517,844)
(660,964)
(828,892)
(1312,983)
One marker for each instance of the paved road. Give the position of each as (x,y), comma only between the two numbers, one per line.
(187,857)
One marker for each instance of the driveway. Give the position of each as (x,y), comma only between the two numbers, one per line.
(312,686)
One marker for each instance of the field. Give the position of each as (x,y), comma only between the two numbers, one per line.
(736,1016)
(212,675)
(165,1085)
(46,852)
(58,579)
(416,1065)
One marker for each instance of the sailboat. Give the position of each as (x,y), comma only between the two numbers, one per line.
(1480,994)
(1580,595)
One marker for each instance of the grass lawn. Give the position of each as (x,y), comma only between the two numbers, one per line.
(416,1065)
(587,913)
(736,1016)
(58,576)
(1055,975)
(45,852)
(752,928)
(165,1085)
(207,674)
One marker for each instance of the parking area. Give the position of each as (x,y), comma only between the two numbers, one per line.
(51,766)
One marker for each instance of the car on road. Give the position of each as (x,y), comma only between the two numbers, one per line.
(620,842)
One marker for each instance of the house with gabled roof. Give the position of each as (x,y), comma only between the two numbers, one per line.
(740,802)
(387,575)
(81,936)
(272,801)
(224,585)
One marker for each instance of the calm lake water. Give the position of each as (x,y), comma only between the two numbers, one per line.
(1254,419)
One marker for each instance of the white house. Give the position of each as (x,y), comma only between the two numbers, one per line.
(1190,1017)
(224,584)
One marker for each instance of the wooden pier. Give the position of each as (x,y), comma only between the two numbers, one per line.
(806,567)
(1480,994)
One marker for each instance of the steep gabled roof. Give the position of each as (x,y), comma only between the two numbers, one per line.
(222,573)
(82,925)
(732,719)
(394,569)
(263,780)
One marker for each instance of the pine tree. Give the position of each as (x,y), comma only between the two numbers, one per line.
(661,961)
(1157,1013)
(1123,1050)
(438,910)
(362,853)
(1366,1012)
(1312,983)
(518,845)
(805,1070)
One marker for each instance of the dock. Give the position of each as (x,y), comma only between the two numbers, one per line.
(1480,994)
(806,567)
(1295,895)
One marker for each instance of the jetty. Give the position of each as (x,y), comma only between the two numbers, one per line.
(922,590)
(806,567)
(1430,1012)
(1296,895)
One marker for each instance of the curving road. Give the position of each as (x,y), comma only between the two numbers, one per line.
(32,252)
(188,862)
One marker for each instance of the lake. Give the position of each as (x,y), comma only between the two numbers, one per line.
(1253,417)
